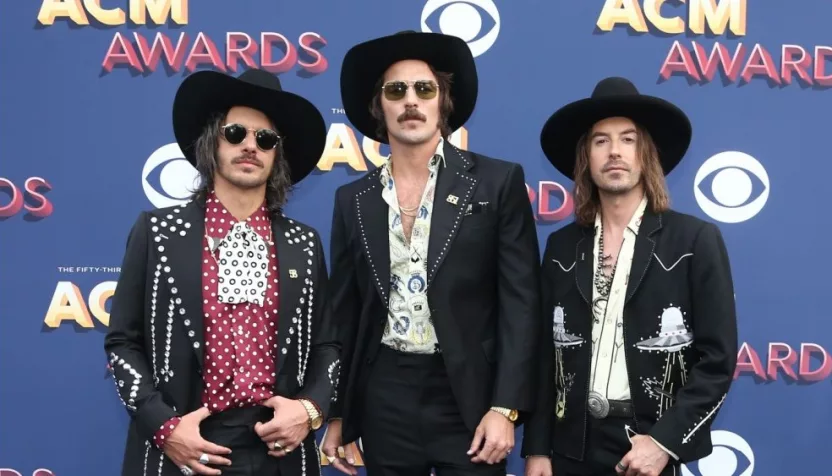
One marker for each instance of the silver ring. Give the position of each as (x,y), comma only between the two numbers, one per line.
(621,466)
(277,446)
(203,458)
(187,471)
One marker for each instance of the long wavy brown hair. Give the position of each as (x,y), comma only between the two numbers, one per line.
(587,199)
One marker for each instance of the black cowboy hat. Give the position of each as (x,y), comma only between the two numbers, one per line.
(669,127)
(297,120)
(365,63)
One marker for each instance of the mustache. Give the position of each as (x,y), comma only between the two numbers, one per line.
(247,158)
(412,114)
(615,165)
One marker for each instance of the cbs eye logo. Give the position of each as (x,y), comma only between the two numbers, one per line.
(464,20)
(733,180)
(167,177)
(724,460)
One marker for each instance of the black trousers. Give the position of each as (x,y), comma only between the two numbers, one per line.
(606,445)
(412,422)
(234,429)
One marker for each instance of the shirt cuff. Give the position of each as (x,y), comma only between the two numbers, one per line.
(664,449)
(164,432)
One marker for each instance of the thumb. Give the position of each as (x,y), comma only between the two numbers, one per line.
(349,455)
(202,413)
(477,441)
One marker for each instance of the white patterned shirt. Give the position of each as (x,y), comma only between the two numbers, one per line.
(609,370)
(409,325)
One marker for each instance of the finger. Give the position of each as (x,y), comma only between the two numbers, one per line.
(330,451)
(277,453)
(344,467)
(477,441)
(215,460)
(202,469)
(488,452)
(349,454)
(207,447)
(270,431)
(498,454)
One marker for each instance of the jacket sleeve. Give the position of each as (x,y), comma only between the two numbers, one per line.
(714,326)
(537,430)
(322,375)
(124,343)
(518,318)
(343,298)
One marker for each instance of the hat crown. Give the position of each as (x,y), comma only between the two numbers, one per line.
(262,78)
(615,86)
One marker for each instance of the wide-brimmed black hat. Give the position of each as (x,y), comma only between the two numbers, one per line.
(365,63)
(669,127)
(297,120)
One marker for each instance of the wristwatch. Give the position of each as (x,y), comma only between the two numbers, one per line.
(510,414)
(315,419)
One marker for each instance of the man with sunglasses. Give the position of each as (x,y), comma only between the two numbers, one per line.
(219,341)
(434,273)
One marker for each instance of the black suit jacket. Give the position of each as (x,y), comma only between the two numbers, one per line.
(483,273)
(679,262)
(155,339)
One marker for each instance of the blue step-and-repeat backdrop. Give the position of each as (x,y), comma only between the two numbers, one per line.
(85,131)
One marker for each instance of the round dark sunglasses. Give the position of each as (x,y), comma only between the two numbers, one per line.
(266,139)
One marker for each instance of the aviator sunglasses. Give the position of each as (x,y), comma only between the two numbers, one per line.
(266,139)
(396,90)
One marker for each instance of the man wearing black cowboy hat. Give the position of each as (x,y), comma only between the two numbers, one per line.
(641,341)
(220,342)
(434,273)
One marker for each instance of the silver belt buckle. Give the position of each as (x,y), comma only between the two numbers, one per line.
(599,406)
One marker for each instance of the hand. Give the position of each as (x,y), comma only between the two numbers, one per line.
(185,445)
(498,433)
(333,448)
(644,459)
(538,466)
(288,428)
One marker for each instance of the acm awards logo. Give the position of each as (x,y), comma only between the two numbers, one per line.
(143,53)
(28,199)
(698,62)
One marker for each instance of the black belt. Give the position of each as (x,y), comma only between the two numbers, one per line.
(600,407)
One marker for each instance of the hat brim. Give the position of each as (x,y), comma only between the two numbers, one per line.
(297,120)
(668,126)
(365,63)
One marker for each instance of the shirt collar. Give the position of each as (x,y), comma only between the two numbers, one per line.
(386,175)
(635,220)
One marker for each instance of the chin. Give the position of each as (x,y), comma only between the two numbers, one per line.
(413,137)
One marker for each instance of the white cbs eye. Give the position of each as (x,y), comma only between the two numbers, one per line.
(732,456)
(465,20)
(731,187)
(167,177)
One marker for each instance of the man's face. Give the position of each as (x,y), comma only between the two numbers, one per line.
(613,155)
(244,165)
(411,119)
